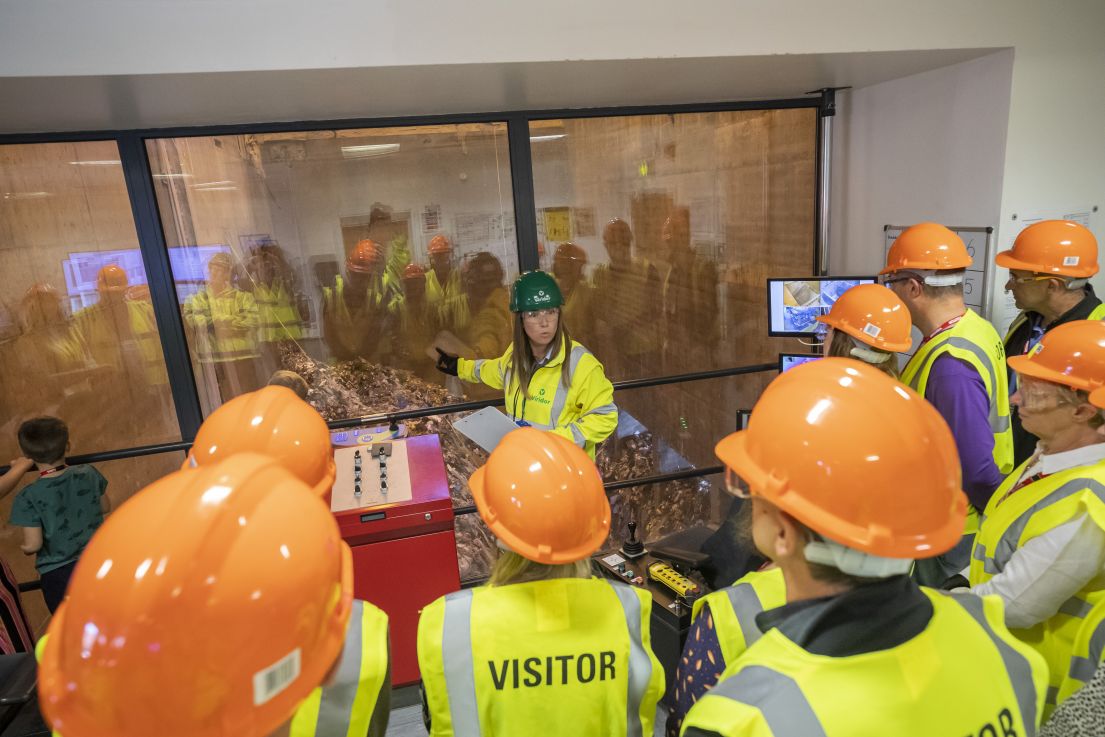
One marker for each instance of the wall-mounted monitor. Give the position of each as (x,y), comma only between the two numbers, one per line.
(790,360)
(793,305)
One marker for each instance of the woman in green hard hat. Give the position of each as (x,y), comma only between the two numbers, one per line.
(551,381)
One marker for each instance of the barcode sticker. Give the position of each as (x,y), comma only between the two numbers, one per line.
(872,330)
(269,682)
(1070,260)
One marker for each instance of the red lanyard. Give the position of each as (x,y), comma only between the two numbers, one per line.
(943,328)
(1023,483)
(49,471)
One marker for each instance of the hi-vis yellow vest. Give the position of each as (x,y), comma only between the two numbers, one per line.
(356,334)
(1098,313)
(583,412)
(963,675)
(1089,652)
(1027,513)
(555,658)
(734,609)
(448,300)
(344,708)
(224,325)
(974,341)
(277,314)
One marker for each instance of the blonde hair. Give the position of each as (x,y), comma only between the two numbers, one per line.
(511,568)
(842,346)
(522,364)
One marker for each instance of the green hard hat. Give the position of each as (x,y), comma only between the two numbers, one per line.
(535,290)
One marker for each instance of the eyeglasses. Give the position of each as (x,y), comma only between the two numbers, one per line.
(538,315)
(736,486)
(1026,279)
(889,279)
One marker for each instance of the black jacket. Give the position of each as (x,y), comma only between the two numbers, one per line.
(1016,342)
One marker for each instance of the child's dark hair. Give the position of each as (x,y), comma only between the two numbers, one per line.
(44,439)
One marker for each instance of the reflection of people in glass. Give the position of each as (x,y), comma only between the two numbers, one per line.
(444,288)
(568,264)
(488,330)
(624,323)
(121,333)
(551,381)
(223,324)
(690,298)
(417,324)
(281,309)
(355,318)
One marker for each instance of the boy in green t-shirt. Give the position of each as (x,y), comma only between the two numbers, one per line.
(60,511)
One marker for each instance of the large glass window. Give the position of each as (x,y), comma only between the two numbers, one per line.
(77,333)
(664,228)
(343,252)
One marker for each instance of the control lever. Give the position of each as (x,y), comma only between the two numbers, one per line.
(632,547)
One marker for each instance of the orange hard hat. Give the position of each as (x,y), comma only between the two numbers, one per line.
(275,422)
(211,603)
(111,278)
(874,315)
(543,497)
(440,244)
(1059,247)
(364,257)
(855,456)
(1071,354)
(927,246)
(414,271)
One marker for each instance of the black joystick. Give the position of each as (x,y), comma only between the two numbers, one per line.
(632,547)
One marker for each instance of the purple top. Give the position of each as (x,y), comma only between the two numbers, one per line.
(957,392)
(699,669)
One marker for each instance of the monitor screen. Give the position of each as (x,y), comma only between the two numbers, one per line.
(790,360)
(793,305)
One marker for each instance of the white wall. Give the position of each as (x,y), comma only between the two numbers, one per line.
(926,147)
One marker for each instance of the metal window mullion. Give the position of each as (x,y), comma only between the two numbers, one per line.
(521,181)
(155,259)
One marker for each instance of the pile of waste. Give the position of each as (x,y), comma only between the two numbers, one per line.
(359,389)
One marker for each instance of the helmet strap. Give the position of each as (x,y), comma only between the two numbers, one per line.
(941,278)
(853,562)
(868,354)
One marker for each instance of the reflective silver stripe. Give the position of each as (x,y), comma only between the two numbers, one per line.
(746,605)
(335,710)
(778,697)
(456,657)
(1083,669)
(640,666)
(1052,696)
(997,424)
(577,435)
(478,366)
(606,409)
(561,397)
(1010,539)
(1016,665)
(1076,607)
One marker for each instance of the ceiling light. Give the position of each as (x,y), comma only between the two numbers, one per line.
(25,195)
(98,162)
(178,175)
(219,186)
(369,150)
(555,137)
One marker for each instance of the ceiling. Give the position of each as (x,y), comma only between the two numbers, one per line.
(45,104)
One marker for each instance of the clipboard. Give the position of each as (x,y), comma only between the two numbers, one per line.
(486,428)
